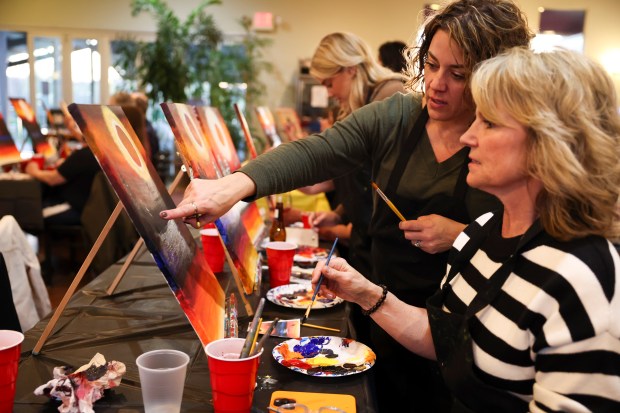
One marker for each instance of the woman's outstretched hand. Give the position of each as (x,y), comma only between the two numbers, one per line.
(205,200)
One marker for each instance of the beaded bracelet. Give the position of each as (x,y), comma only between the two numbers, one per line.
(378,303)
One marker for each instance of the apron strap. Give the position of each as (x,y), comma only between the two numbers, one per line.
(406,150)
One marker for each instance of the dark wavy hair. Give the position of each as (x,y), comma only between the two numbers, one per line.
(481,28)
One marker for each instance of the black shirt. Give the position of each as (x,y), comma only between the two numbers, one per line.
(79,170)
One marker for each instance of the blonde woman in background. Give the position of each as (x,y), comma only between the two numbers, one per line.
(346,66)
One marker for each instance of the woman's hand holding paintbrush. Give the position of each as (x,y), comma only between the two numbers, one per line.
(431,233)
(342,280)
(318,285)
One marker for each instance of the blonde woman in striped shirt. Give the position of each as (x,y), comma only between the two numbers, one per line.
(527,316)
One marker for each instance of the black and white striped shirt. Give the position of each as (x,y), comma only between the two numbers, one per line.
(551,336)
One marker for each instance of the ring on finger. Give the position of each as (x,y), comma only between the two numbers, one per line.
(196,214)
(417,244)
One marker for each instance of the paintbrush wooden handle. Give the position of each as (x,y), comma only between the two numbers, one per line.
(247,345)
(318,285)
(261,343)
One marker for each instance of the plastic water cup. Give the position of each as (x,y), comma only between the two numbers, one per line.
(232,379)
(213,249)
(162,378)
(10,349)
(280,262)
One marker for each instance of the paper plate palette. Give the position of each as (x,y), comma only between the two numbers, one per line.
(309,255)
(299,296)
(324,356)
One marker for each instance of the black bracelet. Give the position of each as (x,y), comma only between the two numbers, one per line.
(378,303)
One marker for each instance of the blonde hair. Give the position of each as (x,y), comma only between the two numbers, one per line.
(337,51)
(568,103)
(480,28)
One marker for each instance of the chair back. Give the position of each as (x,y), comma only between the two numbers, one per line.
(122,236)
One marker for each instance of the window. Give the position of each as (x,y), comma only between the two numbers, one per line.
(86,71)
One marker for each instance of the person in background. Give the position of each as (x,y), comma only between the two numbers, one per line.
(142,102)
(69,183)
(122,98)
(136,117)
(527,316)
(391,55)
(345,65)
(419,163)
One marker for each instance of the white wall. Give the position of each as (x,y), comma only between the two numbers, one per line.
(303,24)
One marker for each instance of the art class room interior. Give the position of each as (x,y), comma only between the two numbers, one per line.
(404,202)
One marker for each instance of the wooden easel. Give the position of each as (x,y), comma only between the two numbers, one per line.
(86,264)
(117,279)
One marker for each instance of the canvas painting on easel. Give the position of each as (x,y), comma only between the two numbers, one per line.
(9,154)
(143,194)
(218,136)
(288,124)
(268,125)
(195,151)
(191,143)
(39,142)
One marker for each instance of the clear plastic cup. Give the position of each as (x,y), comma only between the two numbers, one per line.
(162,378)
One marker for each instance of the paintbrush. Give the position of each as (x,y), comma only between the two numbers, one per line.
(261,342)
(320,327)
(318,285)
(249,339)
(253,346)
(388,202)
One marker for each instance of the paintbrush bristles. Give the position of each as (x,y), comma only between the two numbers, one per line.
(388,202)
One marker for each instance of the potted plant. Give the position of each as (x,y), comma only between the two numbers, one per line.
(188,61)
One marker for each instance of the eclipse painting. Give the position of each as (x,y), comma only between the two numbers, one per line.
(122,158)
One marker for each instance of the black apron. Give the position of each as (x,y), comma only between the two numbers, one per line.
(452,339)
(406,382)
(410,273)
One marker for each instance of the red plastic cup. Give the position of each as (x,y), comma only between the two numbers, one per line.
(39,159)
(280,262)
(232,379)
(10,349)
(213,249)
(305,219)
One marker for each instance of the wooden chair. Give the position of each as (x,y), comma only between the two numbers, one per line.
(80,237)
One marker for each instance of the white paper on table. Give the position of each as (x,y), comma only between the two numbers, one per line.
(302,236)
